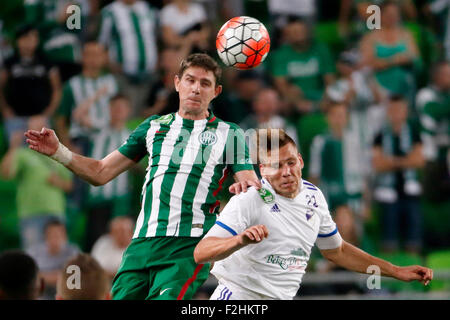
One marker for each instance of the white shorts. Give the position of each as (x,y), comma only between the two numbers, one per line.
(227,291)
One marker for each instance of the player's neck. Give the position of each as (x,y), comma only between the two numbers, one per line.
(193,115)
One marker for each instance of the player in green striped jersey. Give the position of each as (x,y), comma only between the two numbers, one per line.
(190,153)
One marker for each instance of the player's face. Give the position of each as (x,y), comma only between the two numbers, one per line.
(196,88)
(283,170)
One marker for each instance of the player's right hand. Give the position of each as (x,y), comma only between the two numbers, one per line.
(254,234)
(44,141)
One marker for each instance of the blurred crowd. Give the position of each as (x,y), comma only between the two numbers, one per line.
(368,107)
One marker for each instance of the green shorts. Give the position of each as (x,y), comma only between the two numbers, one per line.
(160,268)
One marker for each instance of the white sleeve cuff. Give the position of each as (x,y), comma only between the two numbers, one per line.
(329,241)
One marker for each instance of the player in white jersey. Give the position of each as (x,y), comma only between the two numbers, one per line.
(293,215)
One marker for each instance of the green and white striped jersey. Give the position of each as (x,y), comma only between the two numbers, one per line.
(102,144)
(80,88)
(339,164)
(433,106)
(130,33)
(188,162)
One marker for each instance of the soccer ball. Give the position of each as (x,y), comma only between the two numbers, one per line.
(243,42)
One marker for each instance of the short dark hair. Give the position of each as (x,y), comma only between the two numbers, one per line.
(201,60)
(24,29)
(397,98)
(18,274)
(331,104)
(54,222)
(119,96)
(265,139)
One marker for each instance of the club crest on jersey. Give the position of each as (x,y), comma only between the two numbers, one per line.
(207,138)
(309,214)
(165,119)
(266,195)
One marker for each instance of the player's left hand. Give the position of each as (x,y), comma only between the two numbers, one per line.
(242,186)
(419,273)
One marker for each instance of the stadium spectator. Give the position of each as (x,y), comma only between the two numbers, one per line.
(392,53)
(52,255)
(29,85)
(266,107)
(301,68)
(356,88)
(86,96)
(281,12)
(37,178)
(109,248)
(93,280)
(60,44)
(185,23)
(236,104)
(44,13)
(397,154)
(163,97)
(354,26)
(19,278)
(113,198)
(128,30)
(442,9)
(337,166)
(433,105)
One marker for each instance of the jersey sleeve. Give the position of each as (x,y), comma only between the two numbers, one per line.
(234,218)
(135,147)
(328,237)
(236,151)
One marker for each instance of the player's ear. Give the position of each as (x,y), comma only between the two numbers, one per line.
(176,81)
(218,90)
(302,164)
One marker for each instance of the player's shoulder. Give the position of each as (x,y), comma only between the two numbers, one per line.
(312,188)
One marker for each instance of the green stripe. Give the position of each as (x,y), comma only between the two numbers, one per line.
(156,155)
(140,41)
(193,181)
(116,39)
(168,181)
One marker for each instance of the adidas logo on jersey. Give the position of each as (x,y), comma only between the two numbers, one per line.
(275,208)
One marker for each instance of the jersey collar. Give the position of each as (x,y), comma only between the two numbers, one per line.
(192,123)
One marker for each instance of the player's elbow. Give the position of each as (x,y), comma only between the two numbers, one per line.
(199,255)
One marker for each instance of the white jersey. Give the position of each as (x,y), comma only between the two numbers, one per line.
(274,267)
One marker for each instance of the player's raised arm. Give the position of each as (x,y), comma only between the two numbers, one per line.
(96,172)
(214,248)
(354,259)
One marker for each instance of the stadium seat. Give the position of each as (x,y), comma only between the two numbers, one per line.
(439,261)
